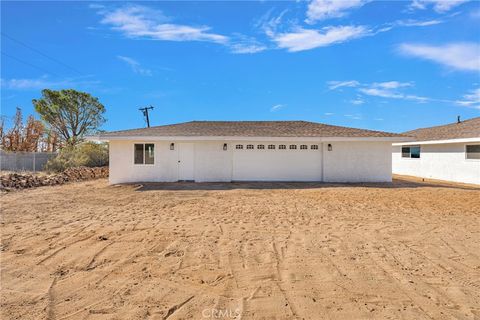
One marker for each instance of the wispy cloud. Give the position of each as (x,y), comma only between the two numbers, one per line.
(304,39)
(387,89)
(471,99)
(325,9)
(332,85)
(459,56)
(329,113)
(277,107)
(357,101)
(245,45)
(137,21)
(44,83)
(396,90)
(135,66)
(440,6)
(417,23)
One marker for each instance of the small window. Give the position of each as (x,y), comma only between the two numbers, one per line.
(473,151)
(293,147)
(411,152)
(282,147)
(239,146)
(260,146)
(144,153)
(303,147)
(249,146)
(314,147)
(271,146)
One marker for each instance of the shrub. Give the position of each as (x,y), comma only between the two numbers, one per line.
(87,154)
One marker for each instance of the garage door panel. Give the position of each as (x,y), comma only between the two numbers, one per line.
(277,165)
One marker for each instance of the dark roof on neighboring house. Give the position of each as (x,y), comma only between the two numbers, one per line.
(250,129)
(458,130)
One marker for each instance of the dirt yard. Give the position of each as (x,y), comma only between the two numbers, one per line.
(252,251)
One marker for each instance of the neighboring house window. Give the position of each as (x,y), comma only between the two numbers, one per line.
(282,147)
(303,147)
(249,146)
(411,152)
(293,146)
(260,146)
(239,146)
(473,151)
(144,153)
(314,147)
(271,146)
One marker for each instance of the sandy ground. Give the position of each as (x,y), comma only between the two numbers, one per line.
(249,251)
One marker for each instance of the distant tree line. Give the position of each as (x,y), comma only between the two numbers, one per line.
(66,117)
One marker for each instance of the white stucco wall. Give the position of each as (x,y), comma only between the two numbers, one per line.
(357,162)
(123,170)
(438,161)
(347,162)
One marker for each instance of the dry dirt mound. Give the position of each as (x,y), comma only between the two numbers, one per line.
(15,181)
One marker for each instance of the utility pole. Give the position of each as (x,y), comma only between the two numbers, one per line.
(145,114)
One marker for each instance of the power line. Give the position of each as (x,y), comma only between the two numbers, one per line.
(40,52)
(29,64)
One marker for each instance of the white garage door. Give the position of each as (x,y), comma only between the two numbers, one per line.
(277,162)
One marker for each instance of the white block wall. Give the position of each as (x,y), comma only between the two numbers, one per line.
(438,161)
(347,162)
(358,162)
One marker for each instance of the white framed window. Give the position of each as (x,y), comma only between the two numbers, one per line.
(144,153)
(472,151)
(271,146)
(282,147)
(250,146)
(293,147)
(261,146)
(314,147)
(303,147)
(412,152)
(239,146)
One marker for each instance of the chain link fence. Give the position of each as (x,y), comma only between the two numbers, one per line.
(24,161)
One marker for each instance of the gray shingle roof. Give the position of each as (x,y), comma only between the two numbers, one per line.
(465,129)
(250,129)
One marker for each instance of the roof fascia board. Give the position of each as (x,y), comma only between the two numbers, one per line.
(463,140)
(235,138)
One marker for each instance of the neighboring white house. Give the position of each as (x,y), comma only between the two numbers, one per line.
(450,152)
(250,151)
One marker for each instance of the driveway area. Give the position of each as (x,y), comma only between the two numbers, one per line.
(407,250)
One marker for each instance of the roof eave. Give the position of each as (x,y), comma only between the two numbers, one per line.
(443,141)
(245,138)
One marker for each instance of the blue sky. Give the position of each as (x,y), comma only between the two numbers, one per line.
(391,65)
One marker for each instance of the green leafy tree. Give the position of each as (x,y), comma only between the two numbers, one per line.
(70,113)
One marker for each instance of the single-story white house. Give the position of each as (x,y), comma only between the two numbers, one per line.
(450,152)
(216,151)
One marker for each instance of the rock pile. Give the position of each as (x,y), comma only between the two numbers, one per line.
(14,181)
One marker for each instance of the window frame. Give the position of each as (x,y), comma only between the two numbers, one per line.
(292,147)
(282,147)
(303,147)
(260,146)
(250,147)
(239,147)
(466,153)
(410,152)
(144,144)
(271,147)
(314,147)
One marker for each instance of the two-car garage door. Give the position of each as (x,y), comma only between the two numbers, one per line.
(277,162)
